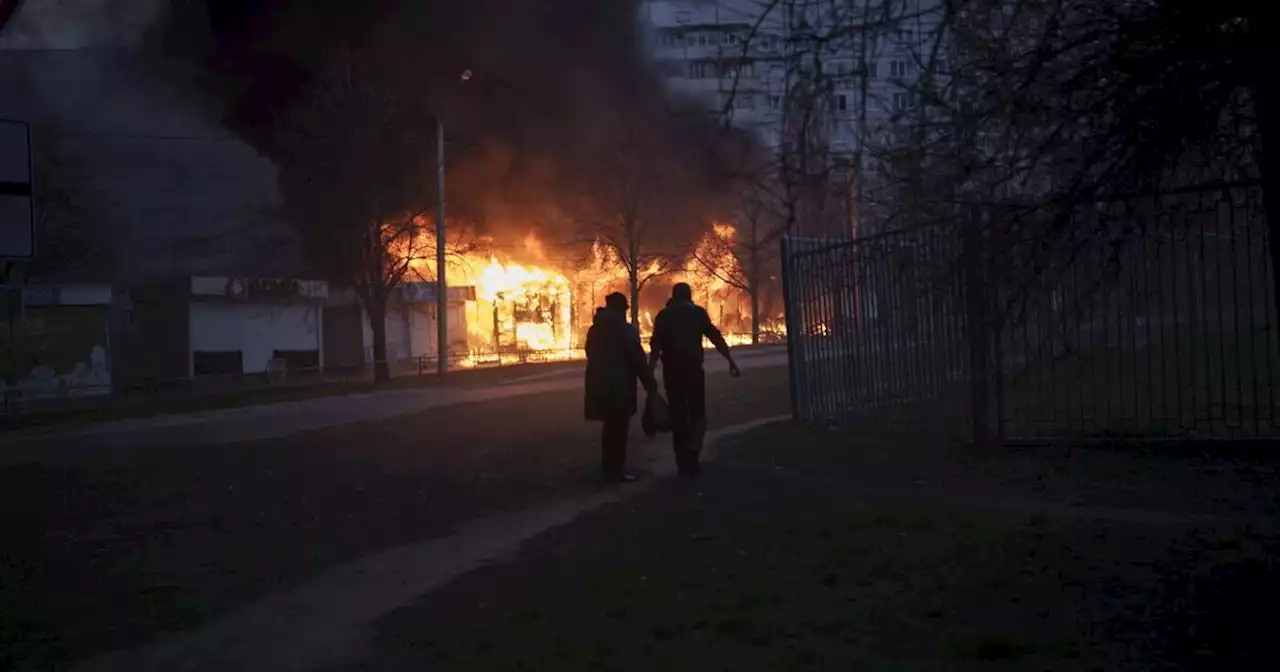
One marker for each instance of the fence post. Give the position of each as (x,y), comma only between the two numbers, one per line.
(979,328)
(793,328)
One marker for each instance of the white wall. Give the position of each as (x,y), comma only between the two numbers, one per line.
(411,330)
(255,330)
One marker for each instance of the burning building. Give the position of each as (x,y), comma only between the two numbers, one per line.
(510,304)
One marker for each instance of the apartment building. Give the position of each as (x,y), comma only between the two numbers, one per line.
(747,58)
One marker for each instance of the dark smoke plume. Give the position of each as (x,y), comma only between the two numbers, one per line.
(543,71)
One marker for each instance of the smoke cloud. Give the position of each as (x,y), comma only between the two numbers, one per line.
(545,72)
(56,24)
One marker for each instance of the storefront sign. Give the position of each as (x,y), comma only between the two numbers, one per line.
(272,288)
(263,290)
(66,295)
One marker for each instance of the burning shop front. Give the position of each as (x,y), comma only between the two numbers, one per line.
(411,326)
(521,313)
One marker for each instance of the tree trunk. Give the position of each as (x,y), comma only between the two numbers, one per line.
(378,326)
(753,291)
(634,278)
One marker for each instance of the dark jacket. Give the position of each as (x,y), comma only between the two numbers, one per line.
(678,331)
(615,361)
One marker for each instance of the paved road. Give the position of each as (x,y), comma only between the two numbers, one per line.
(279,420)
(106,549)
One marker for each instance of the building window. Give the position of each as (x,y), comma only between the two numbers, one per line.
(900,101)
(747,69)
(774,102)
(898,69)
(941,66)
(684,16)
(690,40)
(732,39)
(698,70)
(768,42)
(873,69)
(842,102)
(743,102)
(704,40)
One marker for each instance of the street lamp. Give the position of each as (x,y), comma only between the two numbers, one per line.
(442,287)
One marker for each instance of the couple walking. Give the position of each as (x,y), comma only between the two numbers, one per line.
(616,362)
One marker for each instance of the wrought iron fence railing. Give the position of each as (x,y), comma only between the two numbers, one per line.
(1150,317)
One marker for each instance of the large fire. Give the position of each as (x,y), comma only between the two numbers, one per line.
(528,307)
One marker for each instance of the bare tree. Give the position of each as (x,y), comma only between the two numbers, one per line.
(355,181)
(637,198)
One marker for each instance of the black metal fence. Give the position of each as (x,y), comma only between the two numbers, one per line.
(875,327)
(1142,317)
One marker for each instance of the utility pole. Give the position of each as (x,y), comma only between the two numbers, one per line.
(442,290)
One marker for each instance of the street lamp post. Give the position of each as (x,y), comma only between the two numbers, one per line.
(442,289)
(442,286)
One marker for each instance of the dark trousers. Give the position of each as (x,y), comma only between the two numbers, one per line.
(613,444)
(687,395)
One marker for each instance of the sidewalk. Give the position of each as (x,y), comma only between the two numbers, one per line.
(109,549)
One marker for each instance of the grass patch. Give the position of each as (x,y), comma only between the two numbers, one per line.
(1217,384)
(753,569)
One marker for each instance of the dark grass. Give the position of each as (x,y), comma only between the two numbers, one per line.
(107,549)
(785,557)
(1219,384)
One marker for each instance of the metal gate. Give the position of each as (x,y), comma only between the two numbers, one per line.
(876,329)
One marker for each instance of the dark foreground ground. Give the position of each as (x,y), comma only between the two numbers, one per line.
(817,550)
(106,550)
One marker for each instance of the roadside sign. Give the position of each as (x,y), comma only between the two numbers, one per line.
(17,207)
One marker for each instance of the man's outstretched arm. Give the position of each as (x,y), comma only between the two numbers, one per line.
(717,339)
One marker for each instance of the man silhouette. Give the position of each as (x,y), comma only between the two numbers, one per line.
(678,331)
(615,361)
